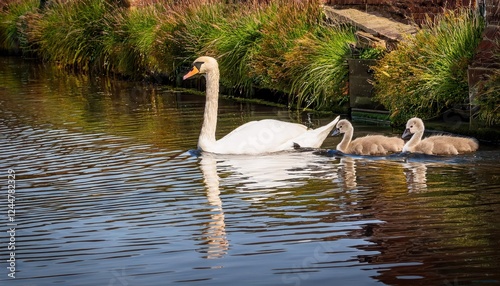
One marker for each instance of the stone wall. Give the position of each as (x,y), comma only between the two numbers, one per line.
(406,11)
(486,59)
(492,8)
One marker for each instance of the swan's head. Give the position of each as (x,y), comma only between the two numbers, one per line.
(342,127)
(202,65)
(413,126)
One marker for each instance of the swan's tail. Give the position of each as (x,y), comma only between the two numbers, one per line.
(315,137)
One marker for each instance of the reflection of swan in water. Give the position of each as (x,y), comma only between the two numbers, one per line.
(216,230)
(348,173)
(261,176)
(415,167)
(416,176)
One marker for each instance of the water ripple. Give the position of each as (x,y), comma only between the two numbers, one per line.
(106,194)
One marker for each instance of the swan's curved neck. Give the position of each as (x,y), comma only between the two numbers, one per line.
(207,135)
(414,141)
(346,140)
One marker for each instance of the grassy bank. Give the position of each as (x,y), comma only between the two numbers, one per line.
(282,46)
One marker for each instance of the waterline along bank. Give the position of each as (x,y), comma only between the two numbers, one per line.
(285,48)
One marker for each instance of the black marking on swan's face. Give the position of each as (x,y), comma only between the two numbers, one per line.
(198,65)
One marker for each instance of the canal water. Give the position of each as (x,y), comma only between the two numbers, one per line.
(107,193)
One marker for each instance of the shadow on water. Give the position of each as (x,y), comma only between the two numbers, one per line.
(106,194)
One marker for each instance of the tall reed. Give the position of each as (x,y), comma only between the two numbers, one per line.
(285,22)
(427,73)
(130,44)
(317,67)
(72,34)
(235,46)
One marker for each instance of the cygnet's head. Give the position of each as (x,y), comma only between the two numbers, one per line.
(342,127)
(413,126)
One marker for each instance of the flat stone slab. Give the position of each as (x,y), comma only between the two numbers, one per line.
(377,26)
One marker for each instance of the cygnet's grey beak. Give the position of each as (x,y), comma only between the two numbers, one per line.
(407,134)
(336,132)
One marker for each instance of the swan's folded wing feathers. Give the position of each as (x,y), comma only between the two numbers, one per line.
(260,137)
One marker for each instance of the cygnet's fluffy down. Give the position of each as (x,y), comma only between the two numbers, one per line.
(435,145)
(367,145)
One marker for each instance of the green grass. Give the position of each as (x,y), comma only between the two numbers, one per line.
(12,15)
(427,73)
(72,34)
(488,99)
(235,46)
(265,46)
(317,67)
(284,23)
(130,44)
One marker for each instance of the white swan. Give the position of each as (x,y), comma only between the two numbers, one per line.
(255,137)
(435,145)
(368,145)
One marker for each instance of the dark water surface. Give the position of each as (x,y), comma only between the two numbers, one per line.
(107,194)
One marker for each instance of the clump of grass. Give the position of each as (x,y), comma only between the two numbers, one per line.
(317,67)
(130,43)
(284,23)
(488,100)
(197,26)
(236,45)
(428,72)
(10,21)
(72,34)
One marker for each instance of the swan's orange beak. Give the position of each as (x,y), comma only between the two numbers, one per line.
(192,72)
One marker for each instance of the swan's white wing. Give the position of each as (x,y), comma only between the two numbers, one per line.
(258,137)
(313,138)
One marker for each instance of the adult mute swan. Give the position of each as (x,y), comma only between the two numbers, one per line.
(368,145)
(255,137)
(435,145)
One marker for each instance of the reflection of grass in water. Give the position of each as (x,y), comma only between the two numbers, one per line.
(452,194)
